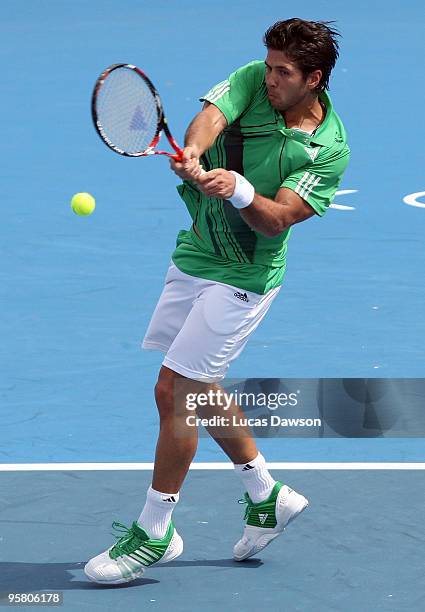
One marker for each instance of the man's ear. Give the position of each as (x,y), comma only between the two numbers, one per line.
(314,78)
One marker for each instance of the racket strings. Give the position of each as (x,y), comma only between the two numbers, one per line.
(127,111)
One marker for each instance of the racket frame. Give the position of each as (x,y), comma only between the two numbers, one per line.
(162,125)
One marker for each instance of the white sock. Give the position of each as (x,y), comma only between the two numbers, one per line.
(256,477)
(157,512)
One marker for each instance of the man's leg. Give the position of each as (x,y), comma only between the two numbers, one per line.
(237,442)
(174,454)
(271,505)
(137,549)
(175,450)
(153,538)
(235,438)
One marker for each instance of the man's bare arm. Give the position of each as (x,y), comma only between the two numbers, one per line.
(272,217)
(204,128)
(264,215)
(200,136)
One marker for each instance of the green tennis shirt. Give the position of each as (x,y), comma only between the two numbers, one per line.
(220,246)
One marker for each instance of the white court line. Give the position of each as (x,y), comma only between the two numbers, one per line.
(62,467)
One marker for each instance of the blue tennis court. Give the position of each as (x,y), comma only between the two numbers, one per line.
(78,293)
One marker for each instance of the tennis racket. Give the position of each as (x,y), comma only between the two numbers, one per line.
(128,115)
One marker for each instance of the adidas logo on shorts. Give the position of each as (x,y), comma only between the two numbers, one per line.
(241,296)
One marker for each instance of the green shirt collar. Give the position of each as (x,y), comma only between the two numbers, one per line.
(324,136)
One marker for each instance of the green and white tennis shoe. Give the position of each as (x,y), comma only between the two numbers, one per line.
(134,551)
(267,520)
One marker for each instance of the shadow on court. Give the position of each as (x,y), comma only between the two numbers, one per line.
(25,577)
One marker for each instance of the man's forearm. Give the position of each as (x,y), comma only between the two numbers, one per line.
(266,216)
(203,130)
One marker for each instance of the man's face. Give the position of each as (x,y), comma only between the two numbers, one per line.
(285,82)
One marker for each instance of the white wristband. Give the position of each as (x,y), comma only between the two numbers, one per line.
(244,192)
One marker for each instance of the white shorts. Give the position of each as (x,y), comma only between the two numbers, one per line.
(203,325)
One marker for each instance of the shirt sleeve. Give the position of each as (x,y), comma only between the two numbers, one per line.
(318,182)
(233,95)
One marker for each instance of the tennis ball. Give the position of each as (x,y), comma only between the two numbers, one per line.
(83,204)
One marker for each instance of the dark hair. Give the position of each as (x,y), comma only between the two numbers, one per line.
(311,45)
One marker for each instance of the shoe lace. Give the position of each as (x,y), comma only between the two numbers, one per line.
(127,542)
(248,508)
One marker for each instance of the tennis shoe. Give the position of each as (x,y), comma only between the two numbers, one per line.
(127,559)
(267,520)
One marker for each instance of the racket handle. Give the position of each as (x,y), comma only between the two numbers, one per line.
(178,158)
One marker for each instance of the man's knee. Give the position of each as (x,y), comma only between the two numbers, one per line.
(171,392)
(166,390)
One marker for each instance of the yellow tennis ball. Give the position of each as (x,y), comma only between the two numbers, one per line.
(83,204)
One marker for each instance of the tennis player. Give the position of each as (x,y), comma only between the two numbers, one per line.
(274,152)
